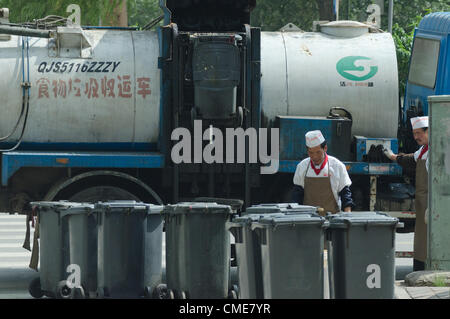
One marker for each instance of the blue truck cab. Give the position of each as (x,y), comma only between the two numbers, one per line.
(429,70)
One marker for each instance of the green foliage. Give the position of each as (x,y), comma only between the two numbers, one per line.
(92,12)
(272,15)
(439,281)
(403,38)
(141,12)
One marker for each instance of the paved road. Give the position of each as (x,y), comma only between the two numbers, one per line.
(403,266)
(15,274)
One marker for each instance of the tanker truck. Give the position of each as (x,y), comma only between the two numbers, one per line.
(94,114)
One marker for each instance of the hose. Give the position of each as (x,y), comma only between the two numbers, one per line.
(152,23)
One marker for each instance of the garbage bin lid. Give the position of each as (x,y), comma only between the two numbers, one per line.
(120,205)
(197,207)
(287,208)
(285,205)
(300,219)
(250,218)
(62,205)
(236,204)
(154,209)
(361,219)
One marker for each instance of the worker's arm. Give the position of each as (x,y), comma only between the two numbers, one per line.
(298,194)
(346,199)
(406,161)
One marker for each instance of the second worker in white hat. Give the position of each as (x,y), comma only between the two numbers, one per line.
(419,162)
(320,179)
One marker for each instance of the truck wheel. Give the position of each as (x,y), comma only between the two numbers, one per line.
(35,289)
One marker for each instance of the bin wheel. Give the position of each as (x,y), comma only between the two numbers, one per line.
(35,289)
(161,292)
(232,294)
(63,291)
(78,293)
(147,292)
(240,116)
(236,289)
(182,295)
(170,294)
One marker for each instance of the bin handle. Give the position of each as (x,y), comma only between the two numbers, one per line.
(233,229)
(284,223)
(254,226)
(66,212)
(366,222)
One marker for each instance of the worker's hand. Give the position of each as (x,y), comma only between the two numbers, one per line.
(389,154)
(426,216)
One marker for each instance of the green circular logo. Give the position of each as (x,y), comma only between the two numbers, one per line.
(351,69)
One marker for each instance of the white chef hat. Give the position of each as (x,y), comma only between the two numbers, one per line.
(314,138)
(419,122)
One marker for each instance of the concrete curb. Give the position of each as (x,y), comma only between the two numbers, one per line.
(400,291)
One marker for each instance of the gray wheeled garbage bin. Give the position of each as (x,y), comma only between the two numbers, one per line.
(292,255)
(248,255)
(54,248)
(248,252)
(361,255)
(82,226)
(123,242)
(197,250)
(236,207)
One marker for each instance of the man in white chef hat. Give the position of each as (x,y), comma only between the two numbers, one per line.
(419,161)
(322,180)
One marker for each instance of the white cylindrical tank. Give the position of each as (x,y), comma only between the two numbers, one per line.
(110,96)
(305,74)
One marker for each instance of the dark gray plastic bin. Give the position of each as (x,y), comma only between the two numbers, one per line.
(292,255)
(361,255)
(197,250)
(129,248)
(82,226)
(55,244)
(248,255)
(216,75)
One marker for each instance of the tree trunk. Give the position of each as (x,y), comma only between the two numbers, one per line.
(119,16)
(122,14)
(326,11)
